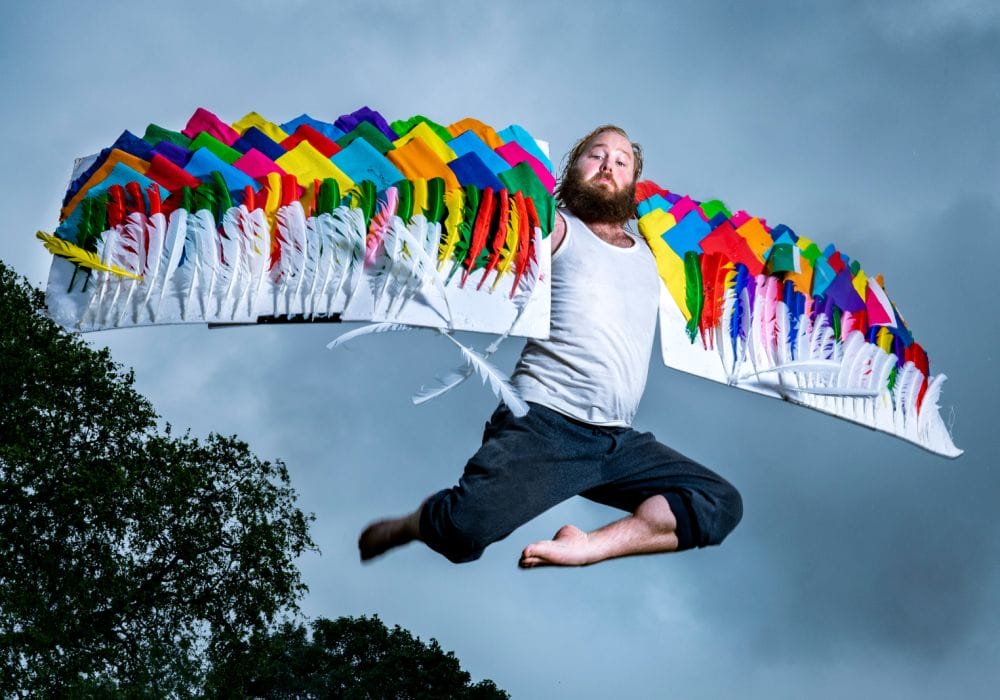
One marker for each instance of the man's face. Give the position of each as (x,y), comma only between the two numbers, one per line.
(600,187)
(607,162)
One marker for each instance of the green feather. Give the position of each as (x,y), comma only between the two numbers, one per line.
(225,202)
(405,208)
(435,200)
(329,196)
(694,292)
(465,228)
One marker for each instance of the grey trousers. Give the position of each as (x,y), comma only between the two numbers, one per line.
(527,465)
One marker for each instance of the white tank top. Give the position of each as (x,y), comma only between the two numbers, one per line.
(604,302)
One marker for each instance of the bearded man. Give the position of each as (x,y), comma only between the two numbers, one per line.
(583,385)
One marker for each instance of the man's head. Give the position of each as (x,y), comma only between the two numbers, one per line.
(598,179)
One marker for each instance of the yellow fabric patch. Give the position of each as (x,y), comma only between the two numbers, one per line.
(308,164)
(656,222)
(426,134)
(668,264)
(273,131)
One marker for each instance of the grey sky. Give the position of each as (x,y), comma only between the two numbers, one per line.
(864,566)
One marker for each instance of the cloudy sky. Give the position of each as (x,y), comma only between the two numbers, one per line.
(863,567)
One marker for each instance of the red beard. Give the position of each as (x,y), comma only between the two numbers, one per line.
(593,202)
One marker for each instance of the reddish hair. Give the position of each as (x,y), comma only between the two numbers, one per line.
(569,160)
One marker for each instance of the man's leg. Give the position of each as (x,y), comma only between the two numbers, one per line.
(652,528)
(525,466)
(675,503)
(382,535)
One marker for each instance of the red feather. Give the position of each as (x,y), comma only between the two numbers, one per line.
(525,244)
(480,231)
(714,269)
(499,237)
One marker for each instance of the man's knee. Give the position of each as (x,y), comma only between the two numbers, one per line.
(459,539)
(706,519)
(727,515)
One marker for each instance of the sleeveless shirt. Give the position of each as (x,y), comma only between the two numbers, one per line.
(594,364)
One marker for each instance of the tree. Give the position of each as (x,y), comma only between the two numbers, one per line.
(133,559)
(350,658)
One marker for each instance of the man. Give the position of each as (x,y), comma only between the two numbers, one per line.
(583,385)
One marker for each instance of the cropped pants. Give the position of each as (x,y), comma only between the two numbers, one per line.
(529,464)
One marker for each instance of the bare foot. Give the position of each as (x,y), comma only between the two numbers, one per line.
(569,547)
(383,535)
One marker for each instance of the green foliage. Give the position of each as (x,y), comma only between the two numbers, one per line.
(349,658)
(133,559)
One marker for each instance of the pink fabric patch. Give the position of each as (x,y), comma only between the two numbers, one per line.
(204,121)
(257,165)
(514,155)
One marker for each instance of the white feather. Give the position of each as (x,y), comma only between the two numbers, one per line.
(384,327)
(498,382)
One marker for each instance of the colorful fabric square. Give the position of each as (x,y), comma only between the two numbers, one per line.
(423,132)
(204,162)
(307,164)
(401,127)
(669,265)
(878,306)
(328,130)
(656,222)
(204,121)
(655,203)
(726,241)
(519,135)
(127,143)
(469,142)
(252,120)
(119,174)
(758,239)
(104,171)
(470,170)
(257,165)
(739,218)
(783,257)
(178,155)
(318,141)
(515,155)
(483,131)
(524,178)
(685,236)
(365,115)
(418,160)
(255,138)
(685,205)
(156,134)
(712,209)
(369,133)
(221,150)
(360,161)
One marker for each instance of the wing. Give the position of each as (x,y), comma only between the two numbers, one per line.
(764,309)
(357,219)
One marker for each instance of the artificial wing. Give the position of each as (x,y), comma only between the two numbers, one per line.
(762,308)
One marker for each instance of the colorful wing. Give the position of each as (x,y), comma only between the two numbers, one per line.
(764,309)
(356,219)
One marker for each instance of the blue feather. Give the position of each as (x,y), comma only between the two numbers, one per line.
(740,283)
